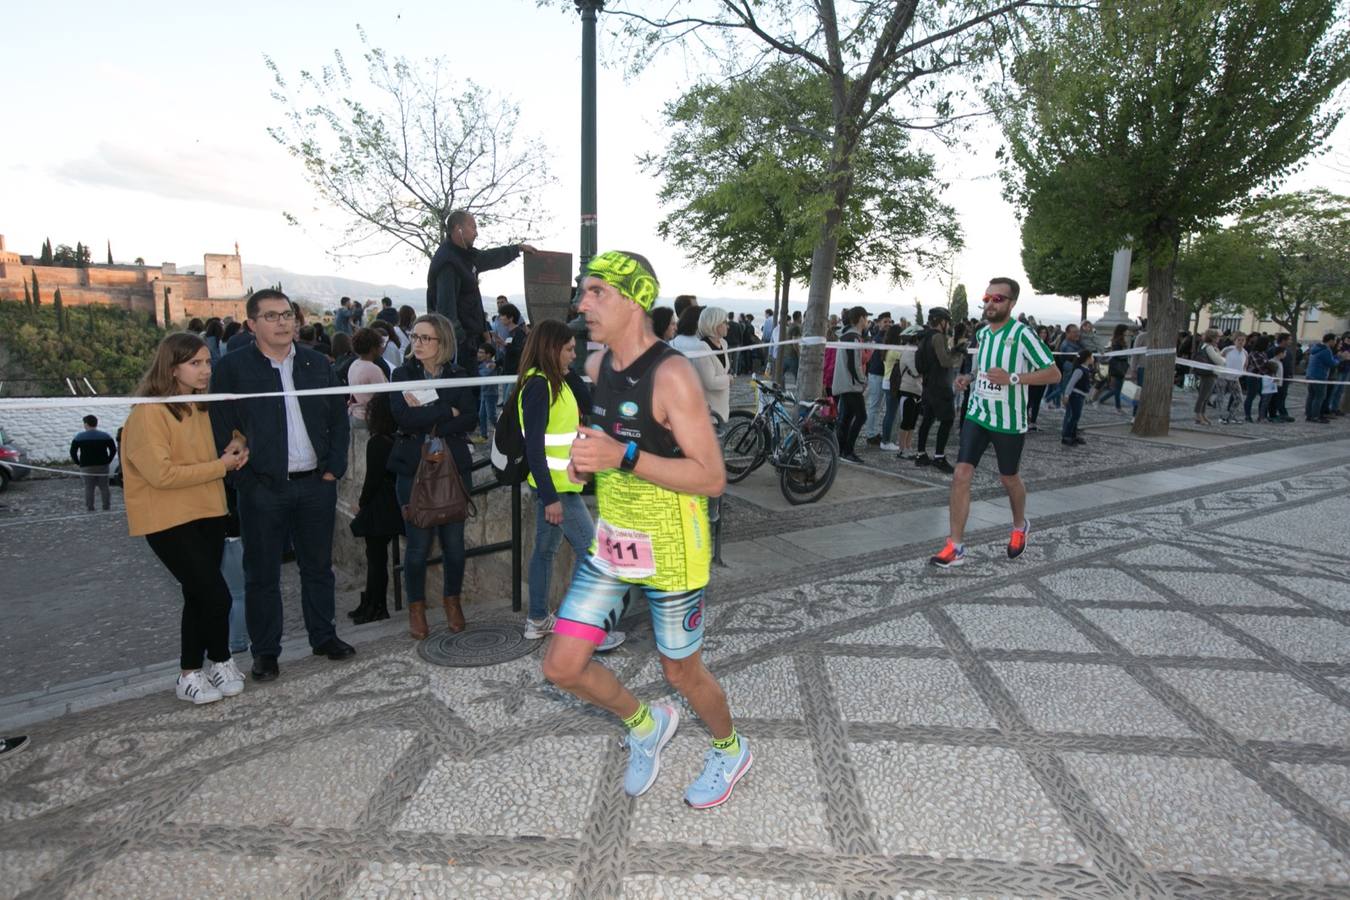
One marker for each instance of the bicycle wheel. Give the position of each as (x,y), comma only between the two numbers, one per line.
(743,449)
(810,469)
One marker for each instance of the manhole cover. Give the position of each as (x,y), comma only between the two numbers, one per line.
(481,644)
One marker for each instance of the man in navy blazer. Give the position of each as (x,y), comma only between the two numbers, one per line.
(297,452)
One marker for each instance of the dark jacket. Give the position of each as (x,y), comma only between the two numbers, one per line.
(242,338)
(262,420)
(452,286)
(93,448)
(416,422)
(515,348)
(378,503)
(388,314)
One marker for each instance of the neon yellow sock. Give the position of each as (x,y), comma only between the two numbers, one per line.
(641,722)
(731,746)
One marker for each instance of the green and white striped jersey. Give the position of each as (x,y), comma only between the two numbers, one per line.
(1013,348)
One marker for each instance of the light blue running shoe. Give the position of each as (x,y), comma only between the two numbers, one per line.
(644,756)
(720,774)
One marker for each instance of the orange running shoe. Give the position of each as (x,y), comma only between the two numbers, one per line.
(1018,542)
(949,556)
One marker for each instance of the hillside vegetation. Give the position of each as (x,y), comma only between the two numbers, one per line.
(110,347)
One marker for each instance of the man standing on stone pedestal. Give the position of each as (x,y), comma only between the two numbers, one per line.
(93,451)
(452,281)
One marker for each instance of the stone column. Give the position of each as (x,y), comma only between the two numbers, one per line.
(1120,285)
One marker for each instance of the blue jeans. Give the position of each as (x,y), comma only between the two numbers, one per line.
(1073,411)
(1334,402)
(418,550)
(1113,386)
(1139,380)
(579,530)
(888,424)
(303,510)
(487,409)
(232,567)
(1314,406)
(876,398)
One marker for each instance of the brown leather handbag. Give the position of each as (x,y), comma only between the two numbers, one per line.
(438,493)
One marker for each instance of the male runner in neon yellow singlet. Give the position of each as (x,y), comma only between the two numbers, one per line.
(1009,358)
(655,460)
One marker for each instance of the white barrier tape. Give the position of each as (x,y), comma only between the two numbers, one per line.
(478,381)
(57,471)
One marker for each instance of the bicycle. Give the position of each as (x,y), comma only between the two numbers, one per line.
(803,449)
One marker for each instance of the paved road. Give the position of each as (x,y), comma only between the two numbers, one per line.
(1154,701)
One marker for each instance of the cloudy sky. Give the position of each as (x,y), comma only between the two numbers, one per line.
(148,128)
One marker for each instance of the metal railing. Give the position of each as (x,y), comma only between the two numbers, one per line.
(514,544)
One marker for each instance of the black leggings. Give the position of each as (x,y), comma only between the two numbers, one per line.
(377,569)
(192,552)
(941,409)
(852,415)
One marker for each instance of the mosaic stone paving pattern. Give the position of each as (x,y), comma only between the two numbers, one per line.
(1149,703)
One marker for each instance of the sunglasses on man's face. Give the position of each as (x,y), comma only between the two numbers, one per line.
(995,298)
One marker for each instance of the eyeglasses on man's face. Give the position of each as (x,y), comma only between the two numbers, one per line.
(425,339)
(272,318)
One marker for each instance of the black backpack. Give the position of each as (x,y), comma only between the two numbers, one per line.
(508,445)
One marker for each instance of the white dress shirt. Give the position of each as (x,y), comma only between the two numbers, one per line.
(300,455)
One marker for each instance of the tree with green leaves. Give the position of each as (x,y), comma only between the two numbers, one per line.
(27,296)
(398,150)
(959,305)
(140,260)
(1063,268)
(1208,264)
(746,165)
(1288,254)
(884,62)
(1143,121)
(110,259)
(168,316)
(60,312)
(37,294)
(46,258)
(918,311)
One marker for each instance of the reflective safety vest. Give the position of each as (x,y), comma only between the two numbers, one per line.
(563,421)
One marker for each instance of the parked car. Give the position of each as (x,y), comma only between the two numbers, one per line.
(9,454)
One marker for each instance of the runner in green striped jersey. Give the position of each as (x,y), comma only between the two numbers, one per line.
(1008,360)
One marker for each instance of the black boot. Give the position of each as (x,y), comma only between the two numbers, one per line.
(377,610)
(361,609)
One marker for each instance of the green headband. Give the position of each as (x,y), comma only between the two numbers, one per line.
(626,275)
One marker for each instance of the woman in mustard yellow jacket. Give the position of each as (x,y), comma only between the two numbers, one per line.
(174,488)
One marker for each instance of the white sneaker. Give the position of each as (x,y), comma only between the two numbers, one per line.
(612,640)
(889,446)
(539,628)
(226,678)
(195,688)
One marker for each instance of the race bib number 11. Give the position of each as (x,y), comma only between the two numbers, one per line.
(625,552)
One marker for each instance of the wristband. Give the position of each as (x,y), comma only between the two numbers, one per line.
(630,457)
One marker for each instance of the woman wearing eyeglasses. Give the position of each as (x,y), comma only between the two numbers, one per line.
(451,416)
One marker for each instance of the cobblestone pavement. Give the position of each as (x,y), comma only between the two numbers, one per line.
(84,599)
(1153,702)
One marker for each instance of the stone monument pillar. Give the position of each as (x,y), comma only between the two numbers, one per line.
(1120,285)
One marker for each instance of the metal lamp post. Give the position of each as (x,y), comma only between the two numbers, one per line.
(589,10)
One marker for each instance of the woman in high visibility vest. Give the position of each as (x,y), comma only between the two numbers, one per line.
(550,401)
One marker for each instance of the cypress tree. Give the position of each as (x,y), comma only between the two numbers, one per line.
(60,312)
(37,294)
(110,262)
(27,296)
(46,259)
(168,320)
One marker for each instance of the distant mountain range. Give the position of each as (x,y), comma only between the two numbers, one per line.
(326,290)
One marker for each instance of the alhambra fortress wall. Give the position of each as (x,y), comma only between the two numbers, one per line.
(219,292)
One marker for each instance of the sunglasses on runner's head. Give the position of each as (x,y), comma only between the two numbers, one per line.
(995,298)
